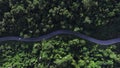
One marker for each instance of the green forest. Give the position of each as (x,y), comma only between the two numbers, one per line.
(99,19)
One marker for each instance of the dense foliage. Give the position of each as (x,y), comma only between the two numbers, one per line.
(58,54)
(36,17)
(33,18)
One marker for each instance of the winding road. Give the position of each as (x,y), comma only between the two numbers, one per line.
(58,32)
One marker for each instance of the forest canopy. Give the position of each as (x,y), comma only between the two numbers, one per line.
(33,18)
